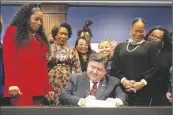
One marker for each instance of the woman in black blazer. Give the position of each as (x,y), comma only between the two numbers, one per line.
(161,37)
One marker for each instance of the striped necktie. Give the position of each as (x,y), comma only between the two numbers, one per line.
(94,89)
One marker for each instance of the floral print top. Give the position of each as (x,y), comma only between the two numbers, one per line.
(62,62)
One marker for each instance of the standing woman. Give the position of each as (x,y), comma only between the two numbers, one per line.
(1,66)
(63,60)
(135,64)
(24,52)
(105,49)
(84,50)
(162,38)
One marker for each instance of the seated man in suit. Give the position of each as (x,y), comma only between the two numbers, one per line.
(93,82)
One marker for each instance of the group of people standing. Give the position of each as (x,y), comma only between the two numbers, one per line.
(35,69)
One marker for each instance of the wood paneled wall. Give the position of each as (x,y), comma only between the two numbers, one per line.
(53,15)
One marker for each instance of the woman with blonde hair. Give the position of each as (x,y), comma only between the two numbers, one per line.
(105,49)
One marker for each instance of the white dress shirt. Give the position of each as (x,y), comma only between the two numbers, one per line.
(116,100)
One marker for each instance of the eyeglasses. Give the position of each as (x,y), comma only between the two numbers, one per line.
(155,37)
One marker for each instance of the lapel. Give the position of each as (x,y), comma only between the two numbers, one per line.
(86,85)
(101,88)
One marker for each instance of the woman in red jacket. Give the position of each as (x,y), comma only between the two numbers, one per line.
(25,48)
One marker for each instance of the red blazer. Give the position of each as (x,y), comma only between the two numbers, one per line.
(25,67)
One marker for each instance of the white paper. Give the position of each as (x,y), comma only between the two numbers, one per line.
(94,46)
(99,103)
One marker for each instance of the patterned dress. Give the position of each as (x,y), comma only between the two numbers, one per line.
(62,62)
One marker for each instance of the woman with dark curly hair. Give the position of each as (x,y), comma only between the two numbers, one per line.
(162,38)
(63,60)
(25,48)
(159,34)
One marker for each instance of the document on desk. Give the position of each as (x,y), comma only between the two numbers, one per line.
(100,103)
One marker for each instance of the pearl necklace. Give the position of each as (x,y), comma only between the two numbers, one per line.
(127,47)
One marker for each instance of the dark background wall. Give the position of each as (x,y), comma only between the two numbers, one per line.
(112,23)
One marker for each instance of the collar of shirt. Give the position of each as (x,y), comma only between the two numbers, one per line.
(133,42)
(91,84)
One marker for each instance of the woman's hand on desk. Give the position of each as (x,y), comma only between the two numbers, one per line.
(50,96)
(118,102)
(14,91)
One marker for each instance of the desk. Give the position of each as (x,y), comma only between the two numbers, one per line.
(85,111)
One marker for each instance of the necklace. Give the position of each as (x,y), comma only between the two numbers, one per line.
(33,34)
(127,47)
(84,57)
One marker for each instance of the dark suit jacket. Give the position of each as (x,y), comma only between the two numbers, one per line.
(79,87)
(170,80)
